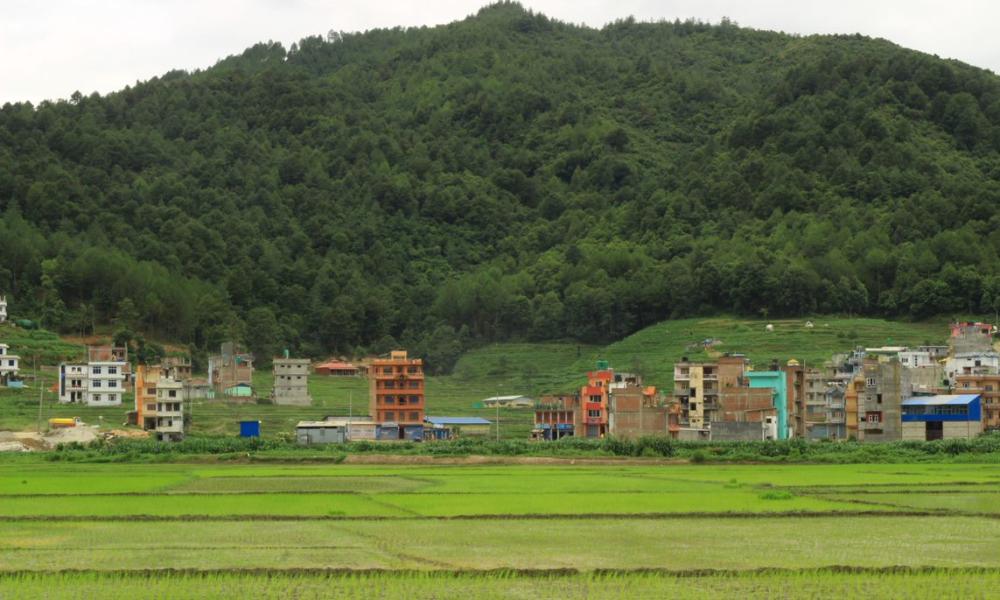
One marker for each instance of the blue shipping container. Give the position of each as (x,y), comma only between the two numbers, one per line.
(249,429)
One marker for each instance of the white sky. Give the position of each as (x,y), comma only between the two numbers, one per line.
(51,48)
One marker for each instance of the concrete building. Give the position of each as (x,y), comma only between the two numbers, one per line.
(971,363)
(879,404)
(396,399)
(114,356)
(335,430)
(635,410)
(777,381)
(105,383)
(146,378)
(555,416)
(291,382)
(941,417)
(231,370)
(592,418)
(169,410)
(970,337)
(825,415)
(177,368)
(915,359)
(9,364)
(696,389)
(3,309)
(987,386)
(73,383)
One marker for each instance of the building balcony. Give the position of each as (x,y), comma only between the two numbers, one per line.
(594,421)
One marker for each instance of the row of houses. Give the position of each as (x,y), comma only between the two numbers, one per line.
(869,394)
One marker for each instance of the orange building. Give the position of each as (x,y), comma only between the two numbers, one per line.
(592,420)
(146,377)
(988,386)
(397,391)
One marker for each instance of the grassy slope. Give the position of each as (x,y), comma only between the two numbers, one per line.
(509,368)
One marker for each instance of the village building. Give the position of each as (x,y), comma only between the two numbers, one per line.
(337,368)
(146,378)
(987,386)
(9,365)
(230,373)
(291,382)
(941,417)
(396,396)
(73,383)
(448,428)
(971,363)
(169,410)
(105,383)
(511,401)
(635,410)
(555,416)
(177,368)
(970,337)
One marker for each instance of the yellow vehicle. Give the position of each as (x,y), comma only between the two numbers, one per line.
(64,422)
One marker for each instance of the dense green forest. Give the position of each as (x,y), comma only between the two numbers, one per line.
(506,177)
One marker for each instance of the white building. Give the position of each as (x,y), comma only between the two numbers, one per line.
(972,363)
(169,409)
(3,309)
(914,359)
(105,383)
(8,363)
(72,383)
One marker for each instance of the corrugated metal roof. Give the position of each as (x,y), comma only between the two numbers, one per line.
(458,421)
(940,399)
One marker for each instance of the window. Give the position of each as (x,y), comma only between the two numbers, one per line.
(390,385)
(97,383)
(594,413)
(95,397)
(414,416)
(871,382)
(150,391)
(96,370)
(172,393)
(112,384)
(387,371)
(878,398)
(693,392)
(10,362)
(414,384)
(414,399)
(873,417)
(390,399)
(412,370)
(390,415)
(112,370)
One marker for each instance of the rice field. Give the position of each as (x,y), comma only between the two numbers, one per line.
(431,531)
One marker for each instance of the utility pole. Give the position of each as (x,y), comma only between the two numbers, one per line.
(39,384)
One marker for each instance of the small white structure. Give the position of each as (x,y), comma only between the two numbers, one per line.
(769,327)
(914,359)
(809,325)
(3,309)
(73,383)
(972,363)
(509,401)
(169,409)
(8,364)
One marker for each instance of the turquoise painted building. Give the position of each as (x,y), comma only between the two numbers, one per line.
(777,381)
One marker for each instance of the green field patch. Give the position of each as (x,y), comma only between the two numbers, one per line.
(933,584)
(88,479)
(978,502)
(586,545)
(336,505)
(314,484)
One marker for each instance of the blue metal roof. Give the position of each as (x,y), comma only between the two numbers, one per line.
(941,399)
(457,421)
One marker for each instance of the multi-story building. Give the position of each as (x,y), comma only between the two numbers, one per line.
(146,378)
(696,389)
(169,410)
(177,368)
(3,309)
(825,415)
(9,364)
(396,399)
(853,391)
(230,372)
(105,383)
(73,383)
(971,363)
(987,386)
(778,382)
(592,418)
(879,404)
(291,382)
(635,410)
(555,416)
(113,354)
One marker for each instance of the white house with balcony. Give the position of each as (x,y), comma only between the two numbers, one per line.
(73,383)
(169,409)
(9,364)
(105,383)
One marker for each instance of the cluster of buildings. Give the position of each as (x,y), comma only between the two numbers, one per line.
(396,409)
(869,394)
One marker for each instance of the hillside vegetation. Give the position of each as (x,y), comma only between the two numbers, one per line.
(507,177)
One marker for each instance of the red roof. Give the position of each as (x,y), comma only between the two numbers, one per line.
(335,365)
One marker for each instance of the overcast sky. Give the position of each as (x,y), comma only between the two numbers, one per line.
(51,48)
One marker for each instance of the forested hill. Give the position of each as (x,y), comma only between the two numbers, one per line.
(507,176)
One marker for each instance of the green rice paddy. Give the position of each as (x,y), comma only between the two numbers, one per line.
(426,531)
